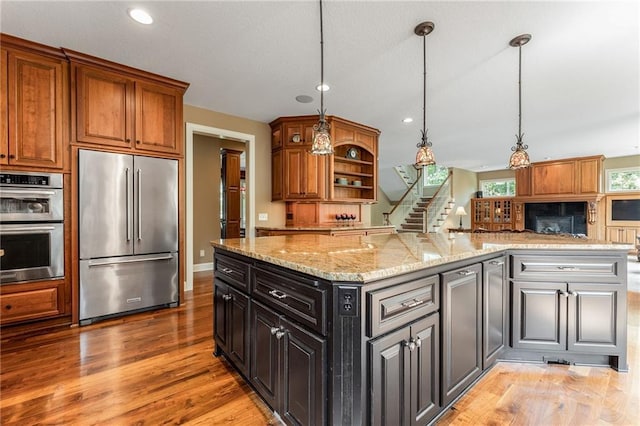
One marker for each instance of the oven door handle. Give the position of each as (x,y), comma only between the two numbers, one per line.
(26,193)
(26,229)
(93,263)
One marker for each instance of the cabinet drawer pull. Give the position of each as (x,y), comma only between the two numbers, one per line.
(227,270)
(496,263)
(568,268)
(465,272)
(413,303)
(227,297)
(278,294)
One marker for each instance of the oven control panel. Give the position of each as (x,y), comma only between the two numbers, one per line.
(23,179)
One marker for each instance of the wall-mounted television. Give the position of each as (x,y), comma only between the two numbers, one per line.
(623,210)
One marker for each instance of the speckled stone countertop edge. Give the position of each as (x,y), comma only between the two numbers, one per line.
(305,265)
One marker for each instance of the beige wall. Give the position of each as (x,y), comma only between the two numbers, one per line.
(262,169)
(206,192)
(382,206)
(464,186)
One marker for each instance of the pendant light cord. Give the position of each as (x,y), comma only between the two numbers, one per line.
(424,88)
(321,66)
(520,93)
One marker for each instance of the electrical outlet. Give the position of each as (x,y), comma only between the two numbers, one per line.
(263,217)
(201,253)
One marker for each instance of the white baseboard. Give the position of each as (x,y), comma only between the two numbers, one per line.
(203,267)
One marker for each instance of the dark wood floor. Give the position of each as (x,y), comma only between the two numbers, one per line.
(157,368)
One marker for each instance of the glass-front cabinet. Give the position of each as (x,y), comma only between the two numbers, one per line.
(492,214)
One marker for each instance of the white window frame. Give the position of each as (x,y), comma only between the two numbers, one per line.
(621,170)
(483,181)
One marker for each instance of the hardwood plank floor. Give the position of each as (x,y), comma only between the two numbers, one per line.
(151,368)
(157,368)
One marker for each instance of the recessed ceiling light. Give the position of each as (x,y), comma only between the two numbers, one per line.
(304,99)
(407,120)
(322,87)
(547,158)
(140,16)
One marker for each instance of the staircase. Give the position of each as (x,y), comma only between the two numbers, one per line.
(414,220)
(419,213)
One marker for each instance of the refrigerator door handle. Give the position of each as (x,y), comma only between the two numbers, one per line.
(139,204)
(93,263)
(128,203)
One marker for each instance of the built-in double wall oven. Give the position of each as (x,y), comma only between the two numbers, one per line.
(31,226)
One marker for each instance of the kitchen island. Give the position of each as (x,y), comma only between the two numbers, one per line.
(392,329)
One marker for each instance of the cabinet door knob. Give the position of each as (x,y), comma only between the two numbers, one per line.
(280,334)
(563,293)
(411,344)
(12,156)
(137,141)
(2,156)
(274,330)
(8,307)
(227,297)
(128,140)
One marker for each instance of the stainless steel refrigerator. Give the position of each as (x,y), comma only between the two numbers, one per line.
(128,233)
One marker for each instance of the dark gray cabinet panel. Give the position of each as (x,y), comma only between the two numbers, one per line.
(265,353)
(461,312)
(288,368)
(390,375)
(495,309)
(405,375)
(596,324)
(303,377)
(539,316)
(232,324)
(425,371)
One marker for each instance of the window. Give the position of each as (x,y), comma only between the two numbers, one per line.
(498,187)
(434,175)
(619,180)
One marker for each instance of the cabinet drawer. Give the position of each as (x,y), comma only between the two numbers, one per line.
(589,268)
(297,297)
(28,305)
(233,271)
(391,307)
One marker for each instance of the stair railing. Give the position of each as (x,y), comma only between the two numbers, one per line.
(406,202)
(436,204)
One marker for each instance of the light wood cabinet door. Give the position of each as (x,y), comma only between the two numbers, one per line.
(4,118)
(553,179)
(158,118)
(104,101)
(34,107)
(590,171)
(304,174)
(622,234)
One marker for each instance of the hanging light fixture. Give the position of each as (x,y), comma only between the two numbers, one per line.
(425,156)
(321,138)
(519,159)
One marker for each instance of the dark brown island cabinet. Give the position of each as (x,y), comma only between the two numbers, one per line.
(402,349)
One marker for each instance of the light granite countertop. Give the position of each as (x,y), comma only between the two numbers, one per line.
(362,259)
(323,227)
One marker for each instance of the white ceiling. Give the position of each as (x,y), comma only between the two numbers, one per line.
(251,59)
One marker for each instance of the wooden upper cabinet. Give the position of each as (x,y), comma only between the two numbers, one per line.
(118,106)
(4,117)
(158,118)
(34,104)
(572,176)
(104,102)
(555,178)
(349,175)
(304,175)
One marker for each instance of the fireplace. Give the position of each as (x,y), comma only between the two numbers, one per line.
(556,218)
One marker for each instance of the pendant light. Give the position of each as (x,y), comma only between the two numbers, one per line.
(321,138)
(424,156)
(519,159)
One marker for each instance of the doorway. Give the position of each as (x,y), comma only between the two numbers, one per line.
(249,141)
(232,193)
